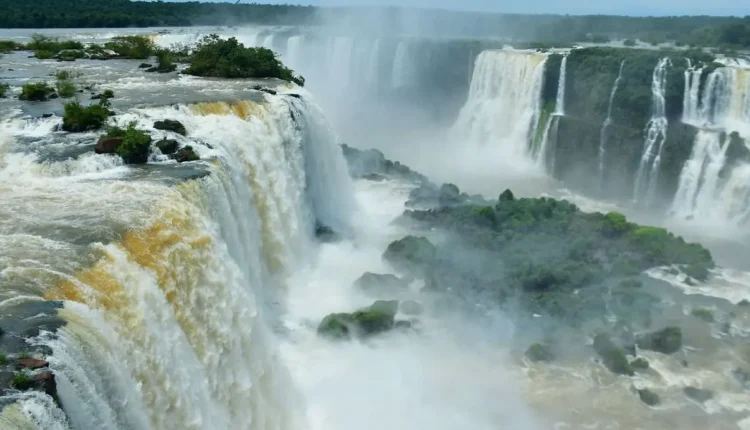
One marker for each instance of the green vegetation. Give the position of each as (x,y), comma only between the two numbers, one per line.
(134,47)
(7,46)
(135,143)
(65,86)
(4,90)
(164,62)
(78,118)
(3,359)
(214,57)
(378,318)
(411,253)
(46,47)
(36,92)
(629,42)
(21,381)
(108,94)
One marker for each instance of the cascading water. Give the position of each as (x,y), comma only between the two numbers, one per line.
(401,74)
(607,123)
(720,109)
(504,103)
(544,155)
(162,276)
(373,65)
(293,51)
(656,134)
(341,62)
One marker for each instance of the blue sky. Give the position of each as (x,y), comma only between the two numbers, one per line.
(573,7)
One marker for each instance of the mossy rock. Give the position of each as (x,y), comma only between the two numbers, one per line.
(649,397)
(612,356)
(666,341)
(377,318)
(539,352)
(411,253)
(185,154)
(167,146)
(171,125)
(640,363)
(696,271)
(704,314)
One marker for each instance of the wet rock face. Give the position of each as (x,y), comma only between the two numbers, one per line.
(185,154)
(370,321)
(108,145)
(24,367)
(167,146)
(666,341)
(171,125)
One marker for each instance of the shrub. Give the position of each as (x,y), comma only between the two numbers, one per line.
(135,47)
(79,119)
(66,88)
(135,143)
(214,57)
(108,94)
(20,381)
(49,46)
(4,90)
(703,313)
(615,224)
(70,55)
(640,363)
(44,55)
(3,359)
(36,92)
(8,46)
(165,61)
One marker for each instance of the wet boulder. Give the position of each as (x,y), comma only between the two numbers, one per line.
(325,234)
(666,341)
(698,394)
(108,145)
(185,154)
(167,146)
(145,66)
(412,253)
(640,363)
(171,125)
(378,318)
(539,352)
(649,397)
(31,363)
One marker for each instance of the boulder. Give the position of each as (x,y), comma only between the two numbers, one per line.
(325,234)
(185,154)
(145,66)
(374,283)
(538,352)
(411,253)
(167,146)
(171,125)
(377,318)
(265,90)
(640,363)
(31,363)
(698,394)
(666,341)
(649,397)
(612,356)
(108,145)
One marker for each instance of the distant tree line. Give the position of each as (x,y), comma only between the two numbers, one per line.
(728,32)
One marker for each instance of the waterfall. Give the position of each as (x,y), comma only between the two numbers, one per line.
(544,156)
(162,273)
(560,99)
(400,76)
(504,102)
(656,134)
(340,67)
(710,189)
(607,123)
(268,41)
(293,51)
(373,65)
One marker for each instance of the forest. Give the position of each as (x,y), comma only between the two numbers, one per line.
(726,32)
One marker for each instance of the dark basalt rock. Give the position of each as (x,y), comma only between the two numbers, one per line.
(325,234)
(185,154)
(31,363)
(378,318)
(145,66)
(538,352)
(171,125)
(108,145)
(265,90)
(649,397)
(167,146)
(666,341)
(698,394)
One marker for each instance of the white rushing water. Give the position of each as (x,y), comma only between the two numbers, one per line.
(545,156)
(607,123)
(504,104)
(719,108)
(647,176)
(166,329)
